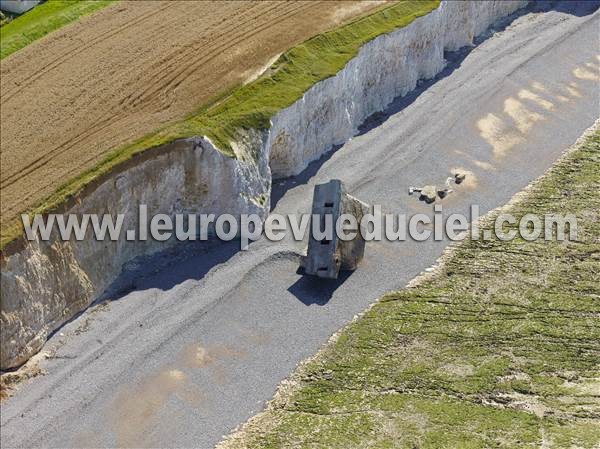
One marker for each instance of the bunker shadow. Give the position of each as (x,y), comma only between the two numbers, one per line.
(315,290)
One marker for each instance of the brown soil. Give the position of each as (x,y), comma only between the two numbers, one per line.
(116,75)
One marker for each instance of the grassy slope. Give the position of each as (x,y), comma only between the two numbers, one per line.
(41,20)
(252,105)
(452,362)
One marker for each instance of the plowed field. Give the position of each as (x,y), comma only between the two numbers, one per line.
(126,70)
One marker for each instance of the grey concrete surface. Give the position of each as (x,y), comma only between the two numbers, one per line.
(205,333)
(325,257)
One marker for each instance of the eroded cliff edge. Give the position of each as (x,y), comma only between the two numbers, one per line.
(44,284)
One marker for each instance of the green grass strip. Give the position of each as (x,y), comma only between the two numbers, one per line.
(253,104)
(296,71)
(41,20)
(499,349)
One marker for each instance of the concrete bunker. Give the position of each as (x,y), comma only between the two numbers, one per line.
(327,256)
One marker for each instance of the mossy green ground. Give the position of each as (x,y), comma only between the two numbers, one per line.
(41,20)
(252,105)
(500,348)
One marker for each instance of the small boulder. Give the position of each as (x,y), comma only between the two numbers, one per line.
(428,194)
(442,193)
(459,177)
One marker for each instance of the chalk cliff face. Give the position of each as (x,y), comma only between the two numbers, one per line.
(387,67)
(44,284)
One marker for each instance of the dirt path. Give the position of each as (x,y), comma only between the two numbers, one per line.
(123,72)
